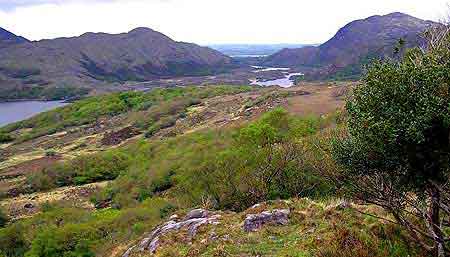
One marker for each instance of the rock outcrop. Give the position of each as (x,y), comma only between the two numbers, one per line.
(192,221)
(254,222)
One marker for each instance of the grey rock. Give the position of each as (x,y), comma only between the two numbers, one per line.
(192,221)
(129,251)
(253,222)
(197,213)
(344,204)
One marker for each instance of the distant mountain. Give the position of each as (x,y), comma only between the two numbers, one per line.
(99,61)
(354,45)
(7,38)
(252,50)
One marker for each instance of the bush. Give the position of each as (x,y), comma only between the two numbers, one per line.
(12,241)
(81,170)
(163,123)
(397,151)
(5,138)
(66,231)
(50,153)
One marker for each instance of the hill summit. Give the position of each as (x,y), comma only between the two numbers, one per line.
(354,44)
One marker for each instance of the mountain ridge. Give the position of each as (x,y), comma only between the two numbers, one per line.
(354,44)
(101,60)
(8,38)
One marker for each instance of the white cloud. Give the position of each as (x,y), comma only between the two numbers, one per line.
(204,21)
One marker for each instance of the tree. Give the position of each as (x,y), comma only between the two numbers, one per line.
(397,151)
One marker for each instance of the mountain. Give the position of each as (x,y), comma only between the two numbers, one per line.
(100,61)
(355,44)
(7,38)
(252,50)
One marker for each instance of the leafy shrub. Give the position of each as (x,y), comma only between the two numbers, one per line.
(5,138)
(81,170)
(50,153)
(12,241)
(67,231)
(163,123)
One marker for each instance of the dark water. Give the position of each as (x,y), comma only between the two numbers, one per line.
(11,112)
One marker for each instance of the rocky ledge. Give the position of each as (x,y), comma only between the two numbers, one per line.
(192,221)
(254,222)
(199,217)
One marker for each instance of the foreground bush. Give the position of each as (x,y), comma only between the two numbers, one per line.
(397,151)
(67,231)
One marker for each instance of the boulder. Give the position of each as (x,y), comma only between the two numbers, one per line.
(253,222)
(192,221)
(197,213)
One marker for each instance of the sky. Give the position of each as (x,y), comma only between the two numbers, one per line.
(205,21)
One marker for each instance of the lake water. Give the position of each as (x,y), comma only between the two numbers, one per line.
(282,82)
(11,112)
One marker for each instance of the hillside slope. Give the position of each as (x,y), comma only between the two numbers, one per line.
(355,44)
(96,60)
(7,38)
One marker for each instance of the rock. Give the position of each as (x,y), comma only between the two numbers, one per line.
(344,204)
(174,217)
(213,236)
(197,213)
(128,252)
(254,222)
(192,221)
(256,206)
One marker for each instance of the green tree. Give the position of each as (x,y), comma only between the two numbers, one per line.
(397,151)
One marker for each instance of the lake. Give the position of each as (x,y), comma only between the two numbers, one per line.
(11,112)
(282,82)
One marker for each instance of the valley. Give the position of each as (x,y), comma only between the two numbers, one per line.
(135,144)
